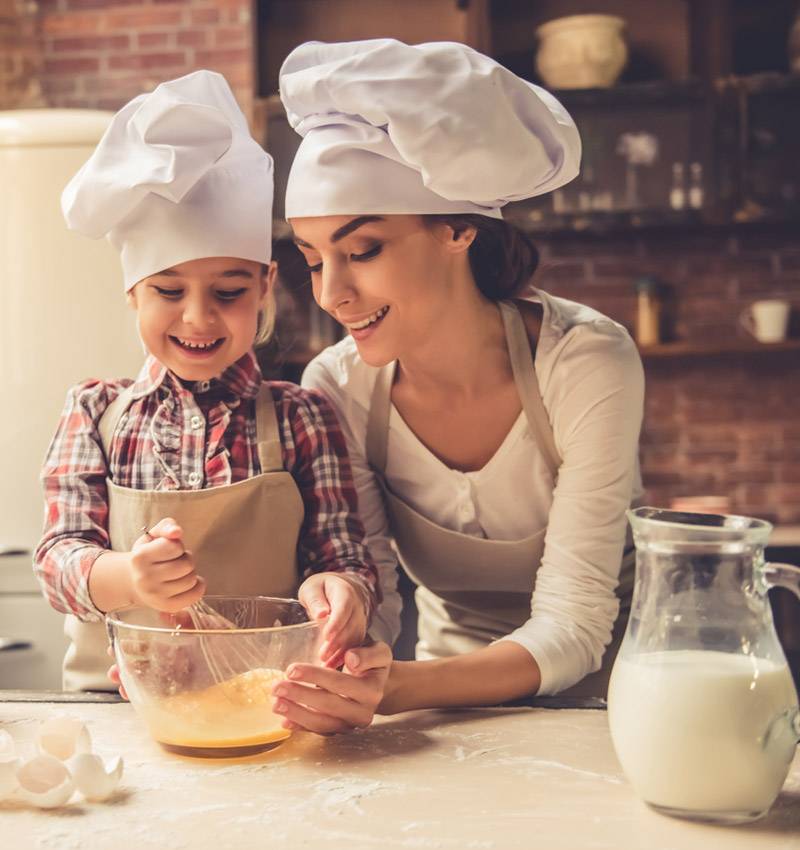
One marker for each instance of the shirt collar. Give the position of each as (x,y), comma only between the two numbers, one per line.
(241,380)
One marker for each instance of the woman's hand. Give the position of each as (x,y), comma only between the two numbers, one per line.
(326,701)
(334,598)
(162,570)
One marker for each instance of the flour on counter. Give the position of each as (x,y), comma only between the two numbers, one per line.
(462,755)
(338,793)
(537,767)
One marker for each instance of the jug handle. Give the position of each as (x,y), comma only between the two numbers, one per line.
(788,576)
(782,575)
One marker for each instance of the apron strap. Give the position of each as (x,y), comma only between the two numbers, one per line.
(107,425)
(378,419)
(522,365)
(270,451)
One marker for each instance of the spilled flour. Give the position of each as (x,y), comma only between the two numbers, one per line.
(539,767)
(339,794)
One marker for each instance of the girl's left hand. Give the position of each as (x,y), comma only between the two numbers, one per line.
(328,701)
(331,597)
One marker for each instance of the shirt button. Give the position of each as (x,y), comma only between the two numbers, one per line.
(202,386)
(194,478)
(196,422)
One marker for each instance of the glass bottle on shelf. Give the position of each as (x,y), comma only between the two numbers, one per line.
(648,311)
(586,192)
(677,194)
(696,186)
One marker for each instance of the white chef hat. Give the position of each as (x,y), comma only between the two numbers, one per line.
(429,128)
(176,177)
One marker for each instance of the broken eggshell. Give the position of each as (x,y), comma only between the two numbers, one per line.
(8,765)
(44,781)
(91,777)
(7,748)
(62,738)
(8,777)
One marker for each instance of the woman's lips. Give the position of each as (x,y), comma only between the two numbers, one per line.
(376,320)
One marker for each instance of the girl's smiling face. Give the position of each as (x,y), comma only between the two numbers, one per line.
(387,279)
(201,316)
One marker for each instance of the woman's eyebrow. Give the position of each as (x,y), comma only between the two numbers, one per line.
(237,273)
(344,230)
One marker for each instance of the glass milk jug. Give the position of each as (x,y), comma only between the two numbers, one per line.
(701,704)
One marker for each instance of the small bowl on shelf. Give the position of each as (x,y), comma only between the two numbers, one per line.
(208,691)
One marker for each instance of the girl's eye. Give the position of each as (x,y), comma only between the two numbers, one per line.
(230,294)
(169,293)
(367,255)
(316,268)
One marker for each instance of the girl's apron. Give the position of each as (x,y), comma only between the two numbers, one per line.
(470,590)
(243,536)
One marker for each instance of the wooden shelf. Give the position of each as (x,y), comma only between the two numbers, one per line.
(532,219)
(722,347)
(654,93)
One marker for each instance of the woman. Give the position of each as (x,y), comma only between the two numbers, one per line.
(493,429)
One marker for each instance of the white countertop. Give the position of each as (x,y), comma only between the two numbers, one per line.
(785,535)
(482,779)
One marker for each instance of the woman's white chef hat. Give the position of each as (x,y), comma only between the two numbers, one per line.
(429,128)
(176,177)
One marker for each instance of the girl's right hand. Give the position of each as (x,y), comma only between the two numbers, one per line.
(162,570)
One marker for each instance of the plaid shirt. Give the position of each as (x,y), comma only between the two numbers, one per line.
(179,437)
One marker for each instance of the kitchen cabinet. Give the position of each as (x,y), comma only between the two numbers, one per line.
(32,640)
(707,81)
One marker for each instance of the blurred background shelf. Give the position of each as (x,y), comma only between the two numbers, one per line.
(719,347)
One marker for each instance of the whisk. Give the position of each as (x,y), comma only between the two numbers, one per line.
(225,658)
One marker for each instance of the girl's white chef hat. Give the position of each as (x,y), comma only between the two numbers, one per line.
(429,128)
(176,177)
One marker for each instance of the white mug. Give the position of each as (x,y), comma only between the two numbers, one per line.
(767,320)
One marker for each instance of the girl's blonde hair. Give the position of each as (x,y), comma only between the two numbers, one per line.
(266,316)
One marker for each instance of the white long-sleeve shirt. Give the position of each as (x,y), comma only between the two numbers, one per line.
(592,385)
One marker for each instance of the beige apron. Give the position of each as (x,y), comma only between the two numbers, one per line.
(243,536)
(464,600)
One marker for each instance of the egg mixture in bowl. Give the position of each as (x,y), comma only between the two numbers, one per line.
(208,691)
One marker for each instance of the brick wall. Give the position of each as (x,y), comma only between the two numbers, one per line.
(722,425)
(20,56)
(714,425)
(101,53)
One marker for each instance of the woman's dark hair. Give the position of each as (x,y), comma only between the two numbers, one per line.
(503,259)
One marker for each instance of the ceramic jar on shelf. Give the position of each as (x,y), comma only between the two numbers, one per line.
(581,51)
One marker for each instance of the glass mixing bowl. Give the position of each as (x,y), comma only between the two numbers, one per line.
(207,691)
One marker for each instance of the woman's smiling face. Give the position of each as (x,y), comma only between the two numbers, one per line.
(387,279)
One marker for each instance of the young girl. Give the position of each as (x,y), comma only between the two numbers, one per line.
(198,475)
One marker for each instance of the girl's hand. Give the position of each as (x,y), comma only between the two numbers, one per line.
(332,597)
(328,701)
(162,571)
(113,674)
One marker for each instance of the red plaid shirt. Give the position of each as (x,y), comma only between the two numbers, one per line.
(179,437)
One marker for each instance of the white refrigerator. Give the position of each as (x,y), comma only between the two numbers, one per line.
(63,318)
